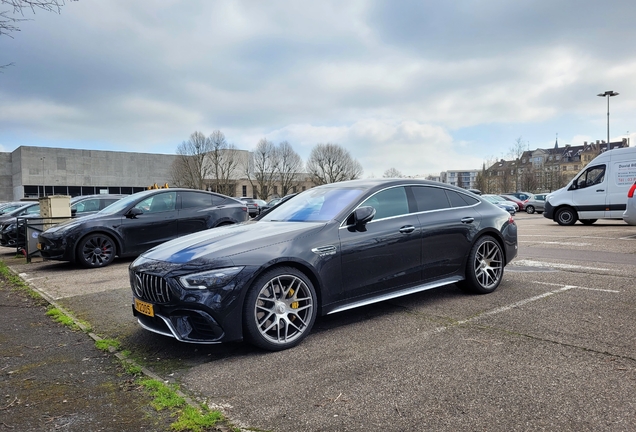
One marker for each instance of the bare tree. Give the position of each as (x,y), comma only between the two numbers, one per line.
(224,162)
(262,171)
(392,173)
(290,164)
(191,167)
(9,21)
(330,163)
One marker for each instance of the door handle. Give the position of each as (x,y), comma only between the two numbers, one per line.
(407,229)
(468,220)
(600,190)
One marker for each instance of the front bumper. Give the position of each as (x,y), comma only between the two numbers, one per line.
(55,249)
(204,316)
(548,212)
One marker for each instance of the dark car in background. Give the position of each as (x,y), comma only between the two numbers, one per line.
(137,223)
(254,205)
(9,222)
(13,232)
(7,207)
(326,250)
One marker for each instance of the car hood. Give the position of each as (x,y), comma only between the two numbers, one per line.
(70,224)
(228,240)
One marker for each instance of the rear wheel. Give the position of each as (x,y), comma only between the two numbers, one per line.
(587,221)
(566,216)
(96,250)
(280,309)
(529,209)
(485,266)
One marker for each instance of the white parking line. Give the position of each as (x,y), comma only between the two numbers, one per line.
(531,263)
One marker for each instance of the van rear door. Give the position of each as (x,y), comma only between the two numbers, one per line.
(623,175)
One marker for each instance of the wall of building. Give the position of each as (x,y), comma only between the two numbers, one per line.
(52,168)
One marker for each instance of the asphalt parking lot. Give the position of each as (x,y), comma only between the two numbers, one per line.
(554,348)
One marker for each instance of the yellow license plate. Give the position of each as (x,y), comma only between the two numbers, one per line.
(144,308)
(39,246)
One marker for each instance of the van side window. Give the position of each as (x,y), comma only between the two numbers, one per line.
(592,176)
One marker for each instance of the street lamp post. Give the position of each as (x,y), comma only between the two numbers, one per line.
(43,181)
(608,94)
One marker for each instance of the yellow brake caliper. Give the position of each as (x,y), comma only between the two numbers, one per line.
(295,304)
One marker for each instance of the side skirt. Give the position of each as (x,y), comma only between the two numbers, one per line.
(394,294)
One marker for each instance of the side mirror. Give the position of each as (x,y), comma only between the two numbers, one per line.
(134,212)
(73,212)
(363,215)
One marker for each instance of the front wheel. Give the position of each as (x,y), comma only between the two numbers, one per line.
(485,266)
(566,216)
(529,209)
(280,309)
(96,250)
(587,221)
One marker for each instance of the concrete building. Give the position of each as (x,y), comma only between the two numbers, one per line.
(31,172)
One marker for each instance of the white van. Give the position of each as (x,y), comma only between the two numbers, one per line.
(599,191)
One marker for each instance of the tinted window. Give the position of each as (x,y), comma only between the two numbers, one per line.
(194,199)
(470,200)
(158,203)
(389,202)
(455,199)
(430,198)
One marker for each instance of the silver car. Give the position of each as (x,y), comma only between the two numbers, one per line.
(536,203)
(629,215)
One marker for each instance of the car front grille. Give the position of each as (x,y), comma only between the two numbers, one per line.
(151,288)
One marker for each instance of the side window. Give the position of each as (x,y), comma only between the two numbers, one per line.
(457,200)
(389,202)
(33,210)
(430,198)
(195,199)
(592,176)
(158,203)
(87,206)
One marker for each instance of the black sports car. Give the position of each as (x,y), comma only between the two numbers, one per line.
(137,223)
(328,249)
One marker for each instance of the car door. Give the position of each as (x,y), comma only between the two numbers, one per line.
(194,211)
(589,193)
(156,224)
(386,252)
(448,221)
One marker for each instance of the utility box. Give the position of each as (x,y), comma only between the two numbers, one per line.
(54,206)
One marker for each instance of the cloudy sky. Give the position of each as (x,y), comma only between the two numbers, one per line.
(416,85)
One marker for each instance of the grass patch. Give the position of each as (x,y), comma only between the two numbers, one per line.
(107,344)
(189,418)
(60,317)
(18,283)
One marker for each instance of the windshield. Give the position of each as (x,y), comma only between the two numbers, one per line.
(121,205)
(314,205)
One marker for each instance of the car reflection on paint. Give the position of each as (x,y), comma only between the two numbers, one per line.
(325,250)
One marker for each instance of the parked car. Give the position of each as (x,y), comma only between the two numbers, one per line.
(629,215)
(12,232)
(475,191)
(328,249)
(9,221)
(137,223)
(6,207)
(520,203)
(508,201)
(500,202)
(253,205)
(536,203)
(520,195)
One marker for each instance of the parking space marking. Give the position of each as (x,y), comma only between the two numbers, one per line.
(519,303)
(531,263)
(578,287)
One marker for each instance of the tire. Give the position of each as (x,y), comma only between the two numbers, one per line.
(96,250)
(587,221)
(280,309)
(529,209)
(485,267)
(566,216)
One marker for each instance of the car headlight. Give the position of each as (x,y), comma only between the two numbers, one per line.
(209,279)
